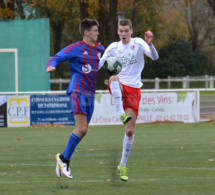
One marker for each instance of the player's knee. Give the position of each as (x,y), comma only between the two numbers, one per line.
(82,131)
(113,78)
(130,132)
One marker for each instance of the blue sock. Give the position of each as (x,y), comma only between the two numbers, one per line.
(71,145)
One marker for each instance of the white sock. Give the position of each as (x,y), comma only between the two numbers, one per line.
(117,96)
(127,145)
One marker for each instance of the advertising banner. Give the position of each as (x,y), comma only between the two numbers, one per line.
(51,109)
(154,107)
(3,111)
(18,111)
(174,106)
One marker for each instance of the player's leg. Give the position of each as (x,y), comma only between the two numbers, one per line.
(63,160)
(78,103)
(81,127)
(116,91)
(132,98)
(129,137)
(127,144)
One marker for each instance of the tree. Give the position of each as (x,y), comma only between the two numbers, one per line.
(144,15)
(179,59)
(12,9)
(65,17)
(200,21)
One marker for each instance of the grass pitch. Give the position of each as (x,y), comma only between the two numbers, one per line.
(166,159)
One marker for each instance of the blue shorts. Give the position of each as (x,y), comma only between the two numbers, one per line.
(82,104)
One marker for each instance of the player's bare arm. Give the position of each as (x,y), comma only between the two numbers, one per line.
(149,37)
(50,69)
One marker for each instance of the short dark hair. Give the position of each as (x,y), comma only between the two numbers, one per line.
(87,24)
(125,22)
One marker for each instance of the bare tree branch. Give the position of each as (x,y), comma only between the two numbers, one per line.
(212,4)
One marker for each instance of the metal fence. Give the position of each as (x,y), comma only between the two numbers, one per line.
(208,81)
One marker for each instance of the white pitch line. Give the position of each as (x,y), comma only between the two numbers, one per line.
(39,165)
(93,181)
(189,168)
(108,180)
(75,165)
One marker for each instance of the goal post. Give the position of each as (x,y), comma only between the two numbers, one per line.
(15,51)
(24,52)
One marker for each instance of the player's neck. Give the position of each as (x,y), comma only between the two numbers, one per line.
(89,42)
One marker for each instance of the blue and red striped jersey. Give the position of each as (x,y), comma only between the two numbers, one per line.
(83,64)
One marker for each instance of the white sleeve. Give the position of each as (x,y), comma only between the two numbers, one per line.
(153,54)
(149,50)
(103,59)
(109,52)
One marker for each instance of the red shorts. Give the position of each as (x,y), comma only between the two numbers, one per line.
(131,97)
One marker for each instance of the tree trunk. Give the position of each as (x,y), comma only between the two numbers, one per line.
(102,22)
(83,9)
(212,4)
(135,12)
(112,23)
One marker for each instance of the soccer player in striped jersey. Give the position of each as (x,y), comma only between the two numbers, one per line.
(83,57)
(126,85)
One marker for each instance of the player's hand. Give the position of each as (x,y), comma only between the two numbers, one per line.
(50,69)
(149,37)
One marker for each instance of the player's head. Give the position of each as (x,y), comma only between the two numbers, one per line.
(125,30)
(89,28)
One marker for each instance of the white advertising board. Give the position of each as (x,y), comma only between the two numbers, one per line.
(18,111)
(154,107)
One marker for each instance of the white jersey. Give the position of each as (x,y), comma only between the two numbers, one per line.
(131,56)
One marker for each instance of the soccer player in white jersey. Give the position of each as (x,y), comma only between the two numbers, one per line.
(125,87)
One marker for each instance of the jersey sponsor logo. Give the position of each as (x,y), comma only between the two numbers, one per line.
(86,69)
(128,59)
